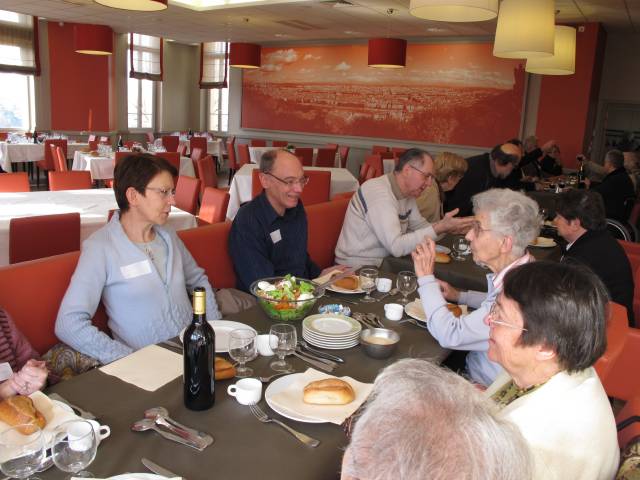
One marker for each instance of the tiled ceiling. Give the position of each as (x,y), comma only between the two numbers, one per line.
(307,20)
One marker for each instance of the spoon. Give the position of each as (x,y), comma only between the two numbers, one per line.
(271,377)
(148,424)
(160,415)
(391,292)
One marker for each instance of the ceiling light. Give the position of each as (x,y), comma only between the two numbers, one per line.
(526,29)
(140,5)
(563,61)
(244,55)
(454,10)
(93,39)
(387,52)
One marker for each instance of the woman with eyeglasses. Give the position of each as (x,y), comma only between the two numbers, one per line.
(140,270)
(547,329)
(505,223)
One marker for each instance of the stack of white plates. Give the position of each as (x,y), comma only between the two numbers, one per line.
(331,331)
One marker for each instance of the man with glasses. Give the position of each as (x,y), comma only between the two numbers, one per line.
(383,218)
(269,234)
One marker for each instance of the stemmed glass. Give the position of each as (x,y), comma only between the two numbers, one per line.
(21,454)
(544,213)
(460,247)
(368,277)
(407,283)
(242,348)
(74,447)
(282,340)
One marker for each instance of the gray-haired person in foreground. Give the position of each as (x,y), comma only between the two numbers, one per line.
(425,422)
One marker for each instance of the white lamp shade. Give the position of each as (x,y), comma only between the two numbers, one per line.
(454,10)
(526,29)
(563,61)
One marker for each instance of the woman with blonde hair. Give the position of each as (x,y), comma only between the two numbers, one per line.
(450,168)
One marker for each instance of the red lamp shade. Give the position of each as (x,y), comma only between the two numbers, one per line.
(387,52)
(139,5)
(93,39)
(244,55)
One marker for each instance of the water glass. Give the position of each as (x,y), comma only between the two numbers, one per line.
(407,282)
(74,447)
(21,455)
(460,248)
(368,277)
(242,348)
(544,213)
(282,340)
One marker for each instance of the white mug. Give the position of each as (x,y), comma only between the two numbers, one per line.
(393,311)
(383,285)
(262,342)
(247,391)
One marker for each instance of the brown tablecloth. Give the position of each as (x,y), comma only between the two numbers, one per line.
(244,448)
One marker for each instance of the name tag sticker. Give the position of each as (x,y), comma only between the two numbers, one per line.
(5,371)
(276,236)
(136,269)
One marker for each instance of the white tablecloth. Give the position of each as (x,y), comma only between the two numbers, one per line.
(29,152)
(388,165)
(214,147)
(93,205)
(101,168)
(240,191)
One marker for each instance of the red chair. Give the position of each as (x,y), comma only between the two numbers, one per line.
(196,153)
(231,154)
(627,421)
(93,145)
(371,168)
(617,331)
(171,142)
(630,247)
(182,150)
(342,196)
(172,157)
(306,154)
(398,151)
(198,142)
(122,155)
(187,192)
(4,136)
(316,191)
(129,144)
(243,155)
(206,173)
(279,143)
(14,182)
(48,163)
(60,159)
(43,236)
(379,149)
(258,143)
(73,180)
(92,138)
(256,186)
(111,212)
(324,223)
(344,153)
(214,205)
(326,157)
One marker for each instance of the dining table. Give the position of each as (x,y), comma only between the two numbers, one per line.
(244,448)
(240,191)
(214,147)
(31,152)
(92,204)
(101,167)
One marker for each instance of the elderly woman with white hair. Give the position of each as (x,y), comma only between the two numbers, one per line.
(505,223)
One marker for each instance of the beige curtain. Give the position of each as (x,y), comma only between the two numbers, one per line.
(18,43)
(145,56)
(213,64)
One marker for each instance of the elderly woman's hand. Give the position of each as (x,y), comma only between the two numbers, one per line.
(31,377)
(448,292)
(424,257)
(450,224)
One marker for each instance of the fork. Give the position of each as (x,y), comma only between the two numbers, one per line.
(264,418)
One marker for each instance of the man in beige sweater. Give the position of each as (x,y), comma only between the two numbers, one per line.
(383,219)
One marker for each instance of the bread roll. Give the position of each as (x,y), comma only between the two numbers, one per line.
(18,410)
(348,283)
(455,309)
(442,258)
(330,391)
(224,369)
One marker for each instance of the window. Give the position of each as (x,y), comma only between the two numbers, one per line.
(17,102)
(145,69)
(213,75)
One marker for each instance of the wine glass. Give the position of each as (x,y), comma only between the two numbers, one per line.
(74,447)
(407,283)
(368,277)
(242,348)
(544,213)
(21,454)
(282,340)
(460,247)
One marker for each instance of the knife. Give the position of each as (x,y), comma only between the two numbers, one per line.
(157,469)
(316,363)
(306,348)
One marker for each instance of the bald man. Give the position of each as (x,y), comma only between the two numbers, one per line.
(485,171)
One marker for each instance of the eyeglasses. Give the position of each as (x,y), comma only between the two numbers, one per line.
(290,182)
(493,314)
(164,192)
(425,176)
(477,228)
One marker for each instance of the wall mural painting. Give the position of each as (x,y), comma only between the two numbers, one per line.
(456,93)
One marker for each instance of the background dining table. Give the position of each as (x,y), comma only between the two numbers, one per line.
(31,152)
(101,167)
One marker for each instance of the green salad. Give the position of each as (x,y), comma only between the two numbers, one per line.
(287,299)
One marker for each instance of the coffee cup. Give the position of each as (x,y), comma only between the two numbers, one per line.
(78,434)
(383,285)
(247,391)
(262,343)
(393,311)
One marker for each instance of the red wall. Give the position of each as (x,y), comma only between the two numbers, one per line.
(79,83)
(567,108)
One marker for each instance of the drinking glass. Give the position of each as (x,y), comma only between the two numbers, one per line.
(282,340)
(21,455)
(74,447)
(544,213)
(460,247)
(368,277)
(242,348)
(407,283)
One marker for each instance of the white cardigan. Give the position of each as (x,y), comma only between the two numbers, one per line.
(569,425)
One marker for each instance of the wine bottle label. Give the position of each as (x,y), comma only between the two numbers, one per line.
(199,303)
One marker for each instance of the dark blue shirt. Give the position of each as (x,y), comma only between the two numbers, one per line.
(264,244)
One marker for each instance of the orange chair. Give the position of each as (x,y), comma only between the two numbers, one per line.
(256,186)
(93,145)
(122,155)
(306,154)
(196,153)
(379,149)
(231,154)
(279,143)
(634,261)
(206,173)
(4,136)
(172,157)
(398,151)
(326,157)
(129,144)
(258,143)
(630,247)
(198,142)
(182,150)
(342,195)
(621,380)
(324,223)
(171,142)
(14,182)
(213,208)
(73,180)
(636,296)
(243,155)
(617,330)
(628,422)
(59,159)
(187,191)
(371,168)
(43,236)
(344,153)
(48,163)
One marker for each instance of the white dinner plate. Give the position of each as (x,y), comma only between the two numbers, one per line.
(331,346)
(544,242)
(414,310)
(327,339)
(223,328)
(280,384)
(331,326)
(443,249)
(334,288)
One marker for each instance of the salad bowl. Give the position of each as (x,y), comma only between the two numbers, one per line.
(287,298)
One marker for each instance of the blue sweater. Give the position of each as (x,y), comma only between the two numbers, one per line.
(142,309)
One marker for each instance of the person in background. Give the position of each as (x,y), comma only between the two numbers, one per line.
(550,163)
(425,422)
(140,270)
(547,329)
(580,220)
(632,166)
(449,169)
(383,219)
(505,222)
(616,187)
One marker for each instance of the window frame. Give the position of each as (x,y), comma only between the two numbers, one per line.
(31,104)
(155,91)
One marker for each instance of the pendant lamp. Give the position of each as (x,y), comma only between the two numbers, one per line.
(139,5)
(387,52)
(526,29)
(454,10)
(244,55)
(93,39)
(563,61)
